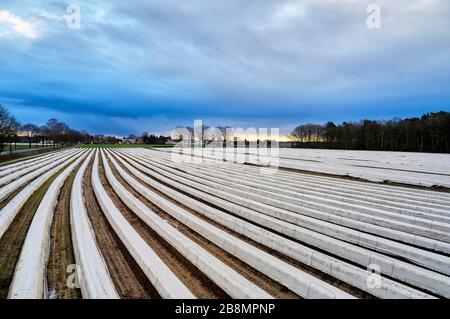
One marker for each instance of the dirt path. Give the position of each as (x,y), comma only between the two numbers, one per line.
(200,285)
(261,280)
(127,276)
(61,249)
(13,239)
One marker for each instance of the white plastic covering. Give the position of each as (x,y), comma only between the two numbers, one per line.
(225,277)
(29,277)
(8,169)
(395,268)
(26,169)
(295,279)
(408,168)
(162,278)
(348,273)
(6,190)
(291,210)
(434,261)
(338,205)
(94,278)
(349,220)
(320,191)
(9,212)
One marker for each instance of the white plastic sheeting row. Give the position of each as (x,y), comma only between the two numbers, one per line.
(289,208)
(295,279)
(9,212)
(430,205)
(338,205)
(420,256)
(280,212)
(29,277)
(11,187)
(366,168)
(377,174)
(24,170)
(8,169)
(94,278)
(225,277)
(161,277)
(430,212)
(343,271)
(27,160)
(403,271)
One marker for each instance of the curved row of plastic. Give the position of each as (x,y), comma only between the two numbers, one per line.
(335,214)
(371,171)
(348,273)
(7,169)
(29,168)
(293,278)
(94,277)
(11,187)
(9,212)
(29,276)
(161,277)
(422,257)
(403,271)
(403,194)
(225,277)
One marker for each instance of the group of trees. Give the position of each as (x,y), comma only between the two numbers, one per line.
(429,133)
(53,132)
(154,139)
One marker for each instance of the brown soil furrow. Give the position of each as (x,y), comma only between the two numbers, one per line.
(272,287)
(129,280)
(200,285)
(12,241)
(61,249)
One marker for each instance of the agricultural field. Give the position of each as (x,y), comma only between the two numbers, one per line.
(126,145)
(135,223)
(416,169)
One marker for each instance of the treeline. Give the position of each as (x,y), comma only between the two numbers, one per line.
(147,138)
(429,133)
(54,132)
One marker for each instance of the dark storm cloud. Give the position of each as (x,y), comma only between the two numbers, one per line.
(254,62)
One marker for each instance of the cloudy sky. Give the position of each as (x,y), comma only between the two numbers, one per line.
(152,65)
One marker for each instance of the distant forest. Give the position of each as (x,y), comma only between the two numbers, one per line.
(429,133)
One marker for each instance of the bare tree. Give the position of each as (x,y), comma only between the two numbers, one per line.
(14,130)
(44,134)
(4,126)
(9,128)
(57,131)
(31,131)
